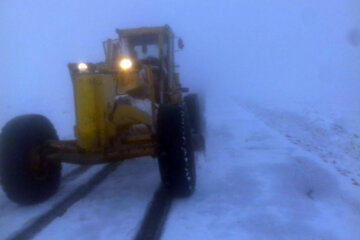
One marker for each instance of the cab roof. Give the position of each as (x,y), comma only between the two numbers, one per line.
(132,32)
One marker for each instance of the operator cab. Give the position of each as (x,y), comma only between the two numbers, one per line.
(142,46)
(144,50)
(138,48)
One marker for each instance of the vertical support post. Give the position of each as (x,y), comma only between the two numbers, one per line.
(161,58)
(108,50)
(152,95)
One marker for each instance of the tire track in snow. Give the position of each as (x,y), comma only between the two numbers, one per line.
(155,216)
(75,173)
(40,222)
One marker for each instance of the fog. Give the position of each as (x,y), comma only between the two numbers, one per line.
(278,51)
(281,85)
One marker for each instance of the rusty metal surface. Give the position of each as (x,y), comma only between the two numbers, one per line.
(67,151)
(140,31)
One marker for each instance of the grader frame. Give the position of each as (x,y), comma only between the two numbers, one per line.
(99,139)
(109,126)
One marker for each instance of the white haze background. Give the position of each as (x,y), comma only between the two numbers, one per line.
(279,51)
(281,80)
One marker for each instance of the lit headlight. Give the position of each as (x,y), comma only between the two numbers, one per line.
(82,67)
(125,63)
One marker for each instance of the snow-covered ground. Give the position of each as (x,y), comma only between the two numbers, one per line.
(331,132)
(14,218)
(254,182)
(282,161)
(114,209)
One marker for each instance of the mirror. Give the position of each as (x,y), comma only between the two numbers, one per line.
(180,44)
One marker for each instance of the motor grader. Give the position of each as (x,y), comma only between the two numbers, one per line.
(110,126)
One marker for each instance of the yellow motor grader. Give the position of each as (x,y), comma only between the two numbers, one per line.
(110,125)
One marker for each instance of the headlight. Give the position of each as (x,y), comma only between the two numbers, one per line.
(82,67)
(125,63)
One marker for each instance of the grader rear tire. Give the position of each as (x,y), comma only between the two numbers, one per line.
(193,106)
(176,155)
(196,121)
(23,181)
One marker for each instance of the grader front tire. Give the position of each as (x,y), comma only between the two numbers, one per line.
(24,181)
(176,155)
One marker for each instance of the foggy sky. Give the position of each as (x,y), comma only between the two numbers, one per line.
(277,50)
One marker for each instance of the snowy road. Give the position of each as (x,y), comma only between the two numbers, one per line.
(253,183)
(256,184)
(14,218)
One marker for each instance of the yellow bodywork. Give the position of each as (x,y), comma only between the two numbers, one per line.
(126,116)
(98,118)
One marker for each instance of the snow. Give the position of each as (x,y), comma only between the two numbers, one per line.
(14,217)
(255,184)
(280,82)
(114,209)
(330,137)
